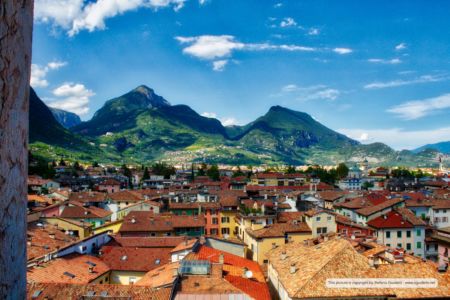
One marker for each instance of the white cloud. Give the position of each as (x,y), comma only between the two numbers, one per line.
(401,46)
(288,22)
(417,109)
(313,31)
(77,15)
(219,65)
(342,50)
(277,5)
(227,121)
(202,2)
(399,138)
(218,46)
(393,61)
(73,97)
(315,92)
(210,46)
(401,82)
(39,73)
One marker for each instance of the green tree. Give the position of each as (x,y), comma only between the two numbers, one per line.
(62,162)
(95,164)
(163,169)
(238,172)
(291,170)
(341,171)
(202,170)
(366,185)
(146,174)
(213,173)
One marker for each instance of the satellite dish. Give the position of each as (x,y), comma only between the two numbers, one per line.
(248,274)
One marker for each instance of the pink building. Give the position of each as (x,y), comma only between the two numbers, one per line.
(109,186)
(442,236)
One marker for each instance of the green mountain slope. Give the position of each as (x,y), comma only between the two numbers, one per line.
(141,126)
(50,139)
(443,147)
(65,118)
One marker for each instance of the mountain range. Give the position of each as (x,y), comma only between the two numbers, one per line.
(141,126)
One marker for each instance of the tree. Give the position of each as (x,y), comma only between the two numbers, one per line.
(291,170)
(62,163)
(341,171)
(238,172)
(16,26)
(77,166)
(146,174)
(202,170)
(366,185)
(213,173)
(127,173)
(163,169)
(95,164)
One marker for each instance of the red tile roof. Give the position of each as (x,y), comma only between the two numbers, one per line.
(80,291)
(88,197)
(367,211)
(146,221)
(134,259)
(80,212)
(253,288)
(148,242)
(72,268)
(392,219)
(126,195)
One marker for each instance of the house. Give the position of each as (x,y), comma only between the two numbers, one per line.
(215,274)
(87,214)
(347,228)
(129,264)
(252,221)
(229,245)
(278,179)
(48,290)
(146,223)
(73,269)
(43,238)
(89,198)
(330,197)
(320,221)
(109,186)
(442,236)
(365,214)
(440,213)
(400,228)
(209,209)
(229,203)
(262,241)
(303,270)
(71,227)
(353,181)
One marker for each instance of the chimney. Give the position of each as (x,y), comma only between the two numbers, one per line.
(91,269)
(133,220)
(51,235)
(175,272)
(244,272)
(371,261)
(283,255)
(325,238)
(292,268)
(221,258)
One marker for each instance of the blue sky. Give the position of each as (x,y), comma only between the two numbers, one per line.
(374,70)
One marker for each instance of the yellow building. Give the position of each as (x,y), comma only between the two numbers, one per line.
(261,241)
(227,225)
(320,222)
(125,277)
(112,226)
(76,228)
(278,179)
(252,222)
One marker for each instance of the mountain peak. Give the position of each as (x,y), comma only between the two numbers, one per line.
(154,100)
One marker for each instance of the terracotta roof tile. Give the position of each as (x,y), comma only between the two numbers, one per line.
(72,268)
(134,259)
(279,230)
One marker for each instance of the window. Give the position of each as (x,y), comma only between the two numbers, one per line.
(318,219)
(213,231)
(265,261)
(225,219)
(446,252)
(399,245)
(419,232)
(321,230)
(329,218)
(419,245)
(388,245)
(444,219)
(388,234)
(132,280)
(226,230)
(408,233)
(215,221)
(399,234)
(408,246)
